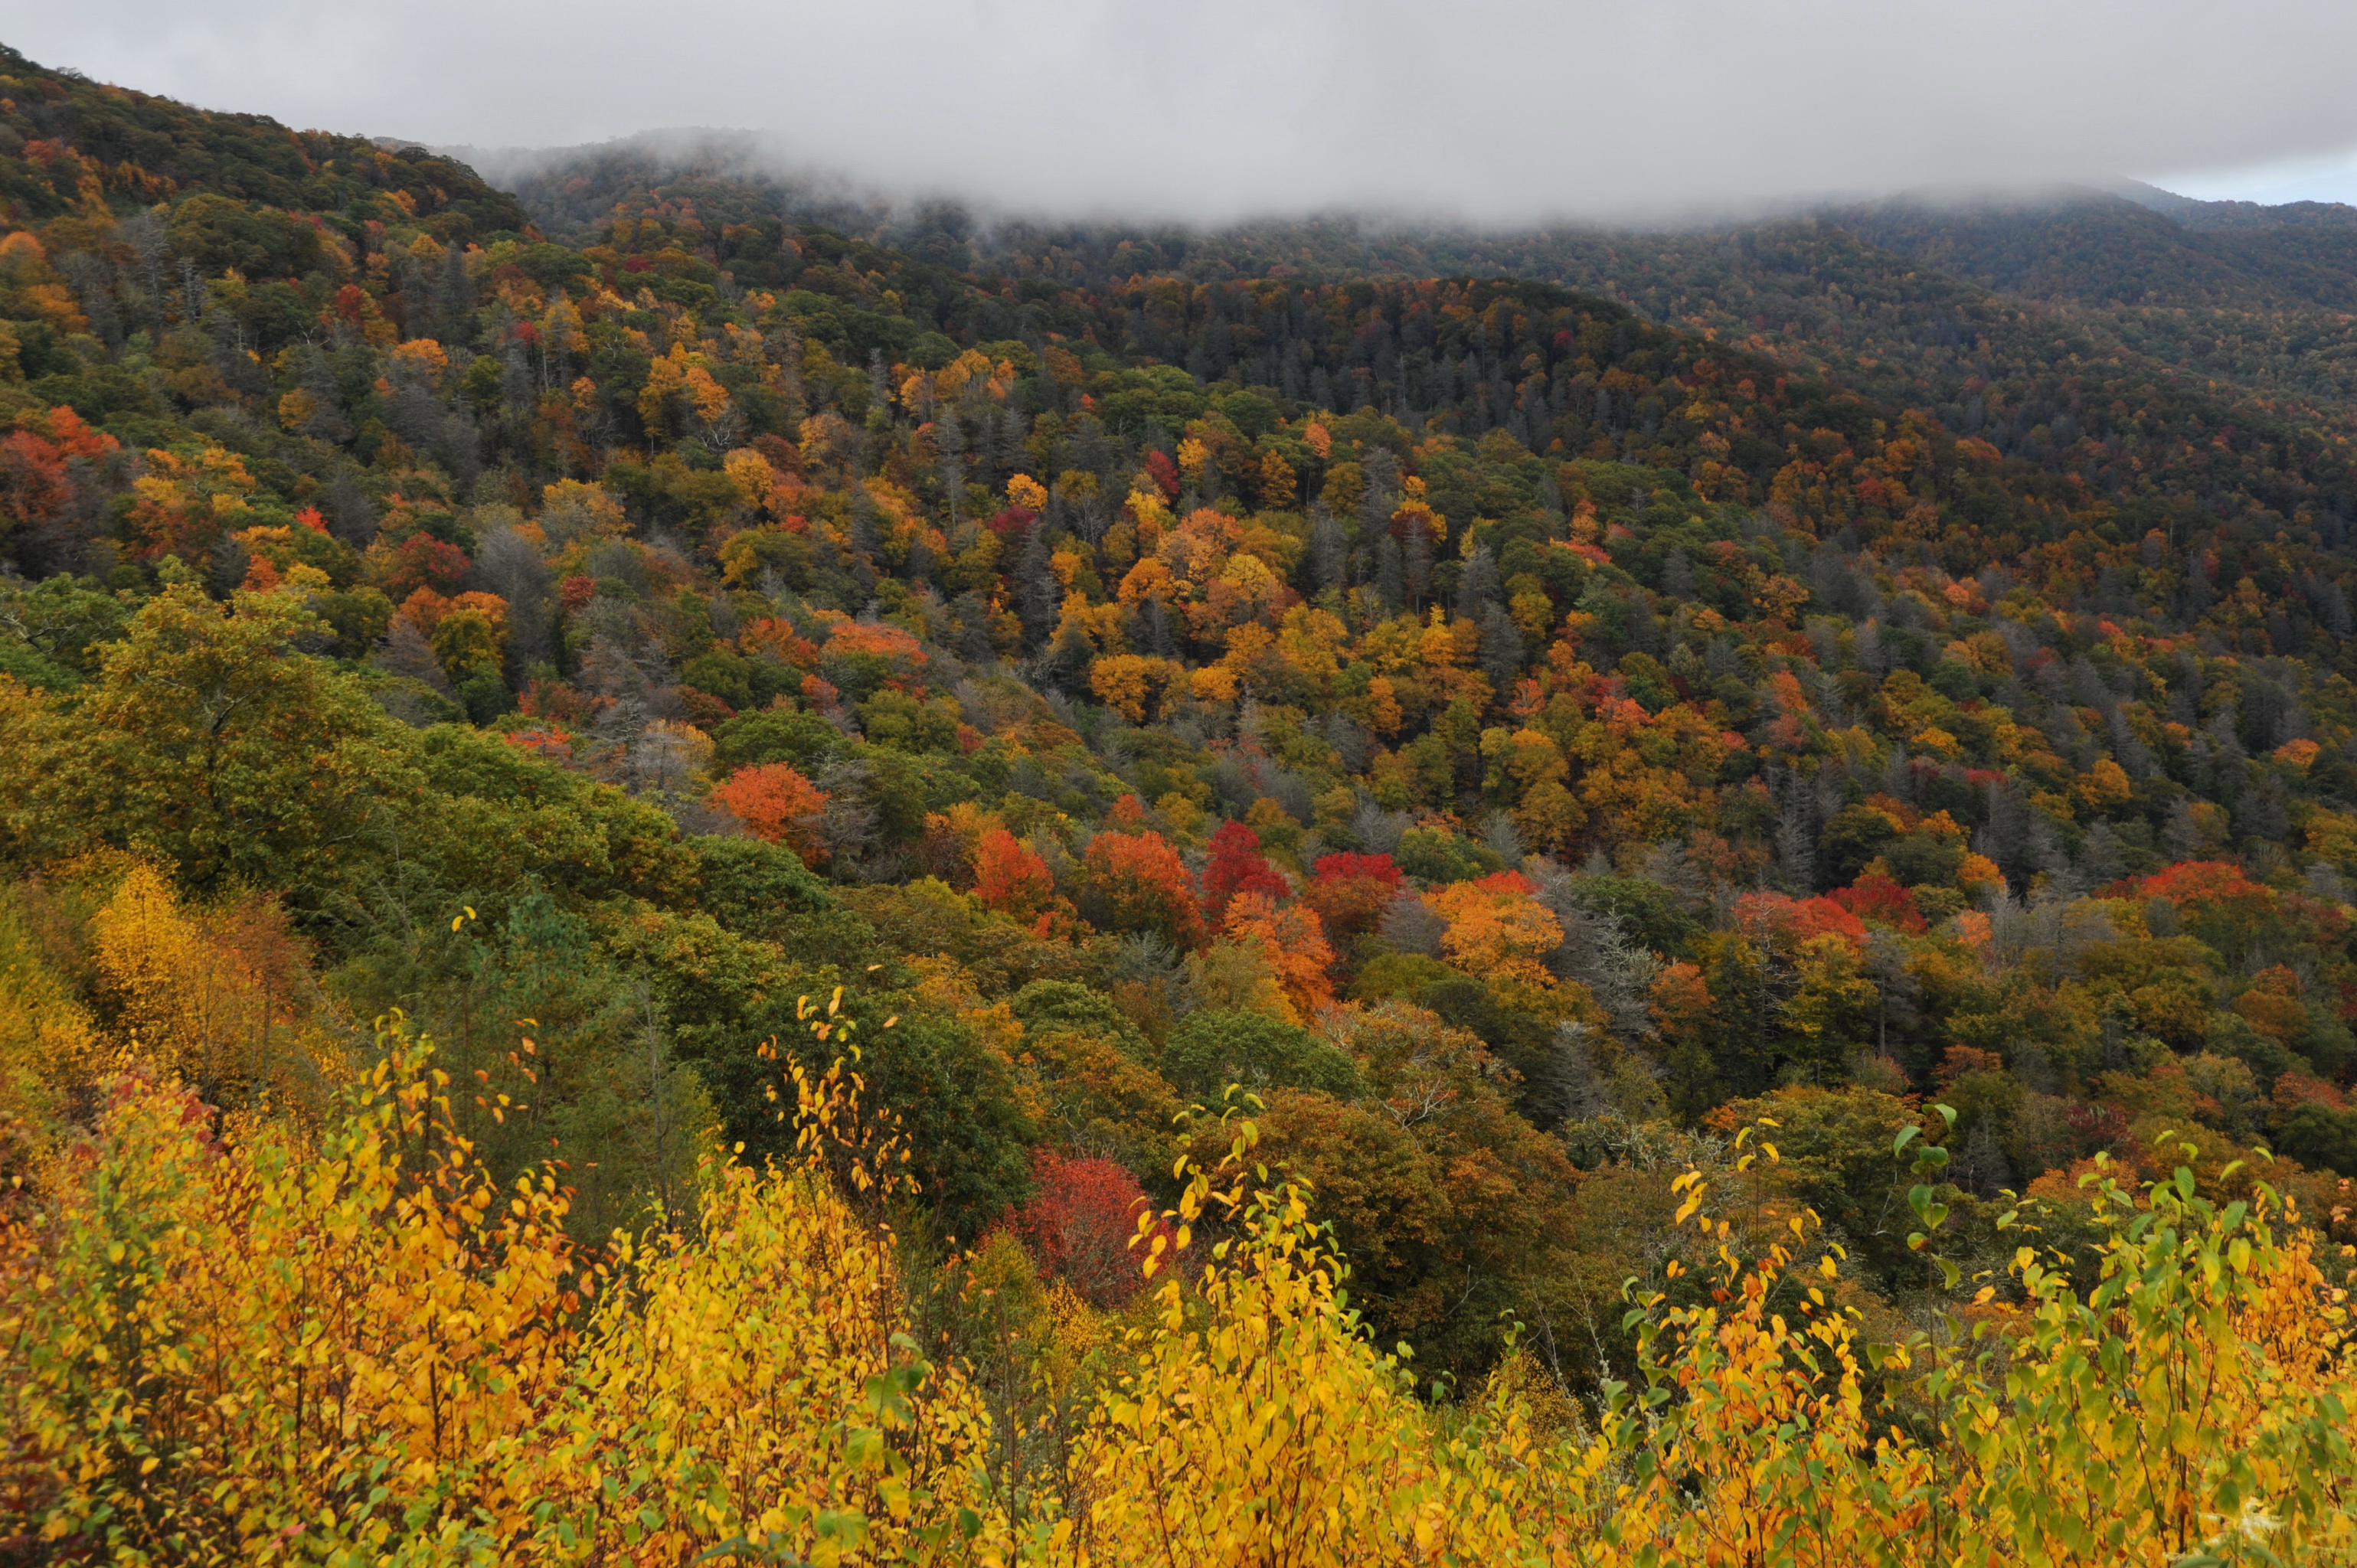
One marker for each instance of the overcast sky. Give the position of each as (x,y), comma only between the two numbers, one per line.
(1491,109)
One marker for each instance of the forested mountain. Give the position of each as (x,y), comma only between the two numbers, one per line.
(2130,303)
(1705,786)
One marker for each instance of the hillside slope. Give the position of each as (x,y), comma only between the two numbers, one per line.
(1512,729)
(637,869)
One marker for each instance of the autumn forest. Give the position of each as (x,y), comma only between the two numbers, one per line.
(691,876)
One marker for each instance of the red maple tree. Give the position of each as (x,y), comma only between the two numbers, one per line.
(1079,1223)
(1351,891)
(1136,881)
(1875,897)
(1237,866)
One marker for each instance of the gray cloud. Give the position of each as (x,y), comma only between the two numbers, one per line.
(1489,109)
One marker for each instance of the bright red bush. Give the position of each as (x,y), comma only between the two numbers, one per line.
(1350,891)
(1877,898)
(1237,866)
(1165,472)
(1079,1223)
(1358,868)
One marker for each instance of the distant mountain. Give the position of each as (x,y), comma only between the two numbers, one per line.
(2249,298)
(725,176)
(2091,247)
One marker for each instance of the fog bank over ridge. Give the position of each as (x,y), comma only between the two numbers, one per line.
(810,190)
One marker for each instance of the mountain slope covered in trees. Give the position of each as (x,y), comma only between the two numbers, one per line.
(2258,296)
(1540,715)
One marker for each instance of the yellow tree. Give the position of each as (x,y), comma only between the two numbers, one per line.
(1134,685)
(187,1001)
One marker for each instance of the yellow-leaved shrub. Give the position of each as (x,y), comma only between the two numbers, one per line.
(230,1344)
(51,1051)
(224,1340)
(225,1343)
(2191,1406)
(218,997)
(1260,1423)
(756,1390)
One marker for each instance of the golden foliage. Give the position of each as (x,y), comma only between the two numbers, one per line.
(762,1388)
(1132,684)
(2189,1406)
(1292,941)
(253,1348)
(1259,1424)
(224,1342)
(51,1048)
(217,998)
(1496,928)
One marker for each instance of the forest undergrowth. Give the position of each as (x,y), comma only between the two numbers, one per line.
(228,1342)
